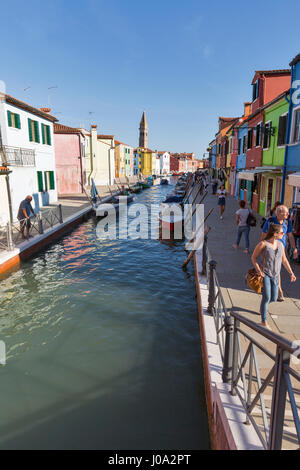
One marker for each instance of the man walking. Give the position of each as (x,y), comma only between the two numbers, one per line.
(24,212)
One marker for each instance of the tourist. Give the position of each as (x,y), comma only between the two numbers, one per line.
(273,256)
(214,183)
(241,217)
(281,217)
(221,194)
(24,213)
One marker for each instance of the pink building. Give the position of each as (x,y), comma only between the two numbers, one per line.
(69,157)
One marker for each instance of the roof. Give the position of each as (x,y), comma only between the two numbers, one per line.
(27,107)
(103,136)
(295,60)
(269,72)
(61,129)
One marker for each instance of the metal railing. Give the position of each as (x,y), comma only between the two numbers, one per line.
(12,234)
(16,156)
(270,394)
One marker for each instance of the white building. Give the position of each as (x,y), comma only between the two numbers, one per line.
(27,150)
(164,163)
(99,157)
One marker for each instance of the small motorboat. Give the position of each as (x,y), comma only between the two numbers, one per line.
(135,189)
(150,180)
(128,198)
(164,181)
(144,185)
(174,199)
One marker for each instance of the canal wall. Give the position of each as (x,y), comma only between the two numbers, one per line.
(11,260)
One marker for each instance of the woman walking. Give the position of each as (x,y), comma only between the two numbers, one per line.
(273,255)
(221,194)
(241,217)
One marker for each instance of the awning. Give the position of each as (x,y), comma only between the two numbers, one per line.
(250,174)
(294,179)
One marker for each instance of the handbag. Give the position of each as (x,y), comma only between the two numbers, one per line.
(251,220)
(254,280)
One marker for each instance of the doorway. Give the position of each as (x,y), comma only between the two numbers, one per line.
(269,196)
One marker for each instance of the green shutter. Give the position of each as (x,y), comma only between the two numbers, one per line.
(52,186)
(30,130)
(37,132)
(18,121)
(40,181)
(48,135)
(9,118)
(43,134)
(45,180)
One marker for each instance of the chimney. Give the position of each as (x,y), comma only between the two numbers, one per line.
(94,138)
(46,110)
(247,109)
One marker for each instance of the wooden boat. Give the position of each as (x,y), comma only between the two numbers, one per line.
(135,189)
(171,222)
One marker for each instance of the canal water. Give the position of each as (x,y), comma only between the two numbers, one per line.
(103,348)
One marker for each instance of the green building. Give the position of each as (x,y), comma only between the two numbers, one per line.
(275,118)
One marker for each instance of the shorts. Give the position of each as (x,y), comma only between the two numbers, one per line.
(221,201)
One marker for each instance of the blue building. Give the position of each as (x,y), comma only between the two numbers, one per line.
(291,188)
(213,154)
(240,185)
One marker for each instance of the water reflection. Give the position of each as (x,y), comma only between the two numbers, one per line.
(103,334)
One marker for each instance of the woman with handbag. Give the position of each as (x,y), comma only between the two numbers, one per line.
(273,253)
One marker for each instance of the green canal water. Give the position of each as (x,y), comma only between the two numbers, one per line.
(103,348)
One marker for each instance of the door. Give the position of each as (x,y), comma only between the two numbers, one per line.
(269,196)
(278,189)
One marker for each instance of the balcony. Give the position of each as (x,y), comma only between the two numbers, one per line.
(16,156)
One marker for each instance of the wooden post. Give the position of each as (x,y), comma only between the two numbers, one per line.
(188,259)
(197,230)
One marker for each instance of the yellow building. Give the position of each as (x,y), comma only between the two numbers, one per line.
(147,161)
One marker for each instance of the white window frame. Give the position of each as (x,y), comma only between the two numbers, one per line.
(258,124)
(282,146)
(266,148)
(292,127)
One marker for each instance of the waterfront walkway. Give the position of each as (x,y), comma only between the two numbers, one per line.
(232,265)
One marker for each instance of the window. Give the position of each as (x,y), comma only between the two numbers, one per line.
(244,144)
(296,126)
(49,180)
(239,146)
(250,138)
(13,120)
(40,181)
(267,135)
(258,135)
(46,135)
(255,90)
(33,129)
(281,130)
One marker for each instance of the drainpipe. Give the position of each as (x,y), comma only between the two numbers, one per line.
(287,138)
(9,198)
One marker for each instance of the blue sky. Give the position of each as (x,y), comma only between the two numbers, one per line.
(184,62)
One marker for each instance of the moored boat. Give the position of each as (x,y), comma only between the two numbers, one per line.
(164,181)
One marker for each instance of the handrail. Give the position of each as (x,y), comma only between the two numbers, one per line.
(242,371)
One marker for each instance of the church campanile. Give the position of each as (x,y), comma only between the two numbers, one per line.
(143,142)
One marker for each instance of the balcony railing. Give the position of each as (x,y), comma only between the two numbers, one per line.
(16,156)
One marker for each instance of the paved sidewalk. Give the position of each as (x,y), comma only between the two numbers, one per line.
(232,266)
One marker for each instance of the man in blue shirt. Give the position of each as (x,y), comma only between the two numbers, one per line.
(24,213)
(281,218)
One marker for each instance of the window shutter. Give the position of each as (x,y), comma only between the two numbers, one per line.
(9,118)
(52,185)
(30,130)
(40,181)
(46,180)
(48,135)
(37,132)
(43,134)
(18,121)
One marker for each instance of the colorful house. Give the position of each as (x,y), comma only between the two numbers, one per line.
(99,157)
(27,150)
(124,160)
(292,151)
(69,159)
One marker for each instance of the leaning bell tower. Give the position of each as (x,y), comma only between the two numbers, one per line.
(143,142)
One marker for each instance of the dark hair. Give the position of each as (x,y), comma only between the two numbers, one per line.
(273,228)
(242,204)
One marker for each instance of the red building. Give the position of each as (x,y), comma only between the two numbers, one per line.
(69,157)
